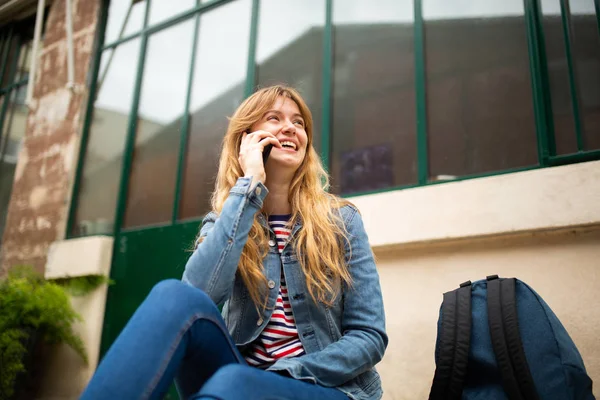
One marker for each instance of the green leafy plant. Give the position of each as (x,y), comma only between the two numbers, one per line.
(82,285)
(31,306)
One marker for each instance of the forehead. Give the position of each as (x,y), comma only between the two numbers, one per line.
(285,105)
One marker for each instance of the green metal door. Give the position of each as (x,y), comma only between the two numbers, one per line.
(142,258)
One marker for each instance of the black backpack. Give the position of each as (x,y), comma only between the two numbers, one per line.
(498,339)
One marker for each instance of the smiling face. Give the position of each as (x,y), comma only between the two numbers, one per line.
(285,121)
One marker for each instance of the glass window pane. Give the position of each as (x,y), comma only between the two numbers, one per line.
(13,130)
(291,53)
(586,57)
(12,139)
(558,73)
(218,88)
(99,186)
(3,40)
(24,61)
(124,18)
(373,135)
(161,10)
(7,172)
(480,114)
(162,104)
(9,69)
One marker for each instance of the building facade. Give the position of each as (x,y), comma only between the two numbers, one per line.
(467,133)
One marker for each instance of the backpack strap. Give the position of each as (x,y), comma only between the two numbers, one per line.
(506,339)
(455,340)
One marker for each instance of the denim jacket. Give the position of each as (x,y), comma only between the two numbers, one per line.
(343,342)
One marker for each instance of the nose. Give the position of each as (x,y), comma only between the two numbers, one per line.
(289,127)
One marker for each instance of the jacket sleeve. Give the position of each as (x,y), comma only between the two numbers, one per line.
(364,339)
(213,264)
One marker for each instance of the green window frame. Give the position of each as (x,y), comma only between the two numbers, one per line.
(547,155)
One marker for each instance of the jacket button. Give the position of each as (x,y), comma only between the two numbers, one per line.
(271,243)
(258,191)
(259,322)
(271,284)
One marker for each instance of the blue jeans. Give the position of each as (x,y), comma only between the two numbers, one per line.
(178,334)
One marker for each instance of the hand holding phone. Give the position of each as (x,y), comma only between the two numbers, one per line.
(251,145)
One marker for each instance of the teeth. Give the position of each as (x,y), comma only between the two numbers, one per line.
(291,144)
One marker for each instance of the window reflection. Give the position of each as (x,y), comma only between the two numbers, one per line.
(218,88)
(15,44)
(11,49)
(373,134)
(479,103)
(125,17)
(161,10)
(291,53)
(102,167)
(13,133)
(24,61)
(153,172)
(7,171)
(14,126)
(586,58)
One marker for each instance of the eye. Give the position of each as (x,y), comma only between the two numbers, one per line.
(299,122)
(272,117)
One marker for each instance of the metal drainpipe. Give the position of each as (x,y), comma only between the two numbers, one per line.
(39,18)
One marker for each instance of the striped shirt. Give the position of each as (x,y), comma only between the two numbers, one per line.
(280,338)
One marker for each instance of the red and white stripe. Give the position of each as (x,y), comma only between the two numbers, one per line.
(280,338)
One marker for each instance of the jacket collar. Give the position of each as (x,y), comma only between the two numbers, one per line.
(262,220)
(296,227)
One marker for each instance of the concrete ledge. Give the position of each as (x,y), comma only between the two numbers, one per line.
(73,258)
(538,200)
(79,257)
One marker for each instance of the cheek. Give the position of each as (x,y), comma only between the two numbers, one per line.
(305,140)
(256,127)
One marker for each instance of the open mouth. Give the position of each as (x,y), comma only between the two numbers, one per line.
(288,145)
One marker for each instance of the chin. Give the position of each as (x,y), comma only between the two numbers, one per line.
(286,162)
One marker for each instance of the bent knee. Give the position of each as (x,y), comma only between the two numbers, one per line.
(176,290)
(168,288)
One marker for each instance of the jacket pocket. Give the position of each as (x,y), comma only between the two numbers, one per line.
(369,381)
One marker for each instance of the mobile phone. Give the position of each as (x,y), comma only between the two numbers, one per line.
(266,153)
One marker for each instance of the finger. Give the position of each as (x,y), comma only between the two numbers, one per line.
(268,140)
(256,136)
(247,141)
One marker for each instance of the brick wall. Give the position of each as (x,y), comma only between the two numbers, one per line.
(40,200)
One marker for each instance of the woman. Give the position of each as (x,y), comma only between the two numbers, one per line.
(289,263)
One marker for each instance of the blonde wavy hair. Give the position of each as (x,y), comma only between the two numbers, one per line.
(320,243)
